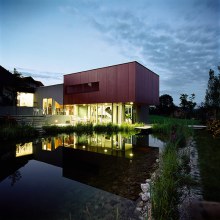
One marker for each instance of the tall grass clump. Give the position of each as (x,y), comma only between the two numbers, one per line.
(89,128)
(165,188)
(9,132)
(171,174)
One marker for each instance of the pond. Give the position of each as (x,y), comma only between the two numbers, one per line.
(75,177)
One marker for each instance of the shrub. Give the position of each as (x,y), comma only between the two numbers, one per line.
(213,126)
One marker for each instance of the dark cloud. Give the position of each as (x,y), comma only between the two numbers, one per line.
(181,53)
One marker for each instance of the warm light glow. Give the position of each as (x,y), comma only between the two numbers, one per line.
(131,103)
(25,99)
(25,149)
(105,150)
(56,121)
(131,155)
(84,146)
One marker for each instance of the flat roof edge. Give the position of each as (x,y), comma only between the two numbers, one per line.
(110,66)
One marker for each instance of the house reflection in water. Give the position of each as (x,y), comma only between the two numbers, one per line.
(24,149)
(101,161)
(115,145)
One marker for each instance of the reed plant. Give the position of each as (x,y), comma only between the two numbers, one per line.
(9,132)
(89,128)
(172,173)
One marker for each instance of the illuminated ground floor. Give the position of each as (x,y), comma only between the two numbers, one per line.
(95,113)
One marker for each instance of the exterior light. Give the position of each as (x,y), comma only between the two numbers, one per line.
(105,150)
(131,103)
(84,146)
(131,155)
(56,121)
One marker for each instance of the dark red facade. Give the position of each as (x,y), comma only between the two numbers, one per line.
(129,82)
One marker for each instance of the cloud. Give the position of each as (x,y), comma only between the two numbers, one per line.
(180,52)
(47,78)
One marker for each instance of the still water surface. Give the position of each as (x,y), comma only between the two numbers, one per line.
(72,177)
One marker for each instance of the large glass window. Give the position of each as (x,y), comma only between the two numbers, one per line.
(25,99)
(47,106)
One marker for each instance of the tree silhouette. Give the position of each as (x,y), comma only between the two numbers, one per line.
(212,97)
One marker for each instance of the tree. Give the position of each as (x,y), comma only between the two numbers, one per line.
(187,103)
(212,97)
(166,106)
(16,73)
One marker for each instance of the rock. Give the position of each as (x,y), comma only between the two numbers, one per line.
(145,196)
(145,187)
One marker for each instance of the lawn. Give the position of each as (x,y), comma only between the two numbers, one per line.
(160,119)
(209,163)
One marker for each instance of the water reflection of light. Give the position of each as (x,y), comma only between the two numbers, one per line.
(25,149)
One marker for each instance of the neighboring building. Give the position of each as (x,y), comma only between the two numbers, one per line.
(50,99)
(117,94)
(16,93)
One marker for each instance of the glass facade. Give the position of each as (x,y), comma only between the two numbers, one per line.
(103,113)
(116,113)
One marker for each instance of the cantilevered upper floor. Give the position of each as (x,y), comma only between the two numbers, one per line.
(122,83)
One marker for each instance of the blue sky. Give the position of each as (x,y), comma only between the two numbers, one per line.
(179,40)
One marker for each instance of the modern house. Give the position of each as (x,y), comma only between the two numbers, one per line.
(117,94)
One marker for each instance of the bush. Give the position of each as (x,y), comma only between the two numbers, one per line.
(214,127)
(17,132)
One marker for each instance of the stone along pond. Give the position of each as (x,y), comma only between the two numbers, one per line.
(75,177)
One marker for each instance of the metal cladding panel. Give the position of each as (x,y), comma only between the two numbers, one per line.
(129,82)
(102,85)
(111,89)
(123,83)
(147,86)
(93,77)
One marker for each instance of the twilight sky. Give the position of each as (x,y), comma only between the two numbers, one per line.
(177,39)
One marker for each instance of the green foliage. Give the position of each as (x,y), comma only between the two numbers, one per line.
(212,98)
(166,105)
(173,170)
(209,164)
(10,132)
(157,119)
(213,126)
(187,104)
(165,187)
(89,128)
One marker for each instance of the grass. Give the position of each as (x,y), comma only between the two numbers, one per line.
(157,119)
(173,170)
(209,164)
(165,187)
(9,132)
(89,128)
